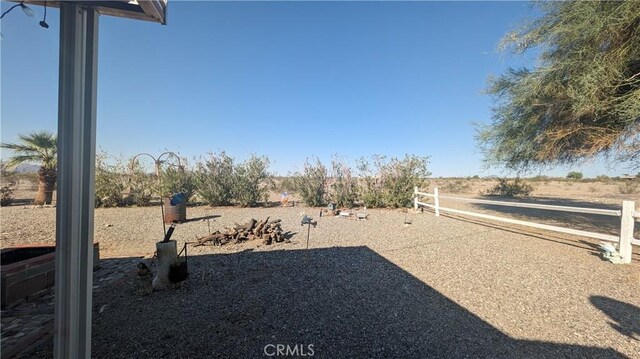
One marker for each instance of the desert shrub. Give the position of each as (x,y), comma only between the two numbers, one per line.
(603,178)
(108,181)
(143,182)
(6,195)
(311,183)
(456,186)
(390,183)
(540,178)
(515,188)
(214,179)
(575,175)
(251,181)
(284,184)
(178,179)
(344,186)
(629,187)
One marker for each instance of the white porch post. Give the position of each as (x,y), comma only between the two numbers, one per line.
(627,223)
(76,174)
(436,201)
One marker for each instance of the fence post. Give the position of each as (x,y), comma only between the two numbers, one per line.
(436,201)
(415,199)
(627,223)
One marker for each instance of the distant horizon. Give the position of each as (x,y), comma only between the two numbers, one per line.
(289,80)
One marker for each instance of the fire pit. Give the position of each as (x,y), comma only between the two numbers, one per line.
(27,272)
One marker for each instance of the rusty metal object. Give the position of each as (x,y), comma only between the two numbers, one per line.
(176,213)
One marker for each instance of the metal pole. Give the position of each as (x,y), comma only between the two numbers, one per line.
(76,180)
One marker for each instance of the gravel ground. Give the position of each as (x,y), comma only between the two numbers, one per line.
(439,287)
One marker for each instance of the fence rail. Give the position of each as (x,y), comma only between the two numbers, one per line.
(628,216)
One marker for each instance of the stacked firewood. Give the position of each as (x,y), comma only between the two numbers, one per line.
(267,231)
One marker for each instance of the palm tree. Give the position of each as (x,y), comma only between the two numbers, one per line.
(37,147)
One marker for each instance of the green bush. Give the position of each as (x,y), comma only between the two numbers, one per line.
(178,180)
(575,175)
(311,183)
(251,181)
(390,183)
(456,186)
(515,188)
(109,182)
(344,187)
(215,179)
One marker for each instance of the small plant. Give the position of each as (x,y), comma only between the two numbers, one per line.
(311,184)
(603,178)
(515,188)
(6,195)
(574,175)
(629,187)
(456,186)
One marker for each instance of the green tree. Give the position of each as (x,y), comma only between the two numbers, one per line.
(41,148)
(574,175)
(582,101)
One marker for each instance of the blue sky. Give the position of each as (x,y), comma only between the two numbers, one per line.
(287,80)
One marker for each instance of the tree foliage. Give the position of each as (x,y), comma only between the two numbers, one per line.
(37,147)
(311,184)
(575,175)
(214,179)
(344,186)
(390,182)
(251,181)
(583,99)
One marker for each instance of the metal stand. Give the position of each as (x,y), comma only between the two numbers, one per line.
(76,180)
(309,222)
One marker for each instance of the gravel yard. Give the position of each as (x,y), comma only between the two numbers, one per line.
(439,287)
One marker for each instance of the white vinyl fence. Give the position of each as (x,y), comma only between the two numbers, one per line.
(628,216)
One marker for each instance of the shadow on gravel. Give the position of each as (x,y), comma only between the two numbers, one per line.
(582,221)
(625,316)
(344,302)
